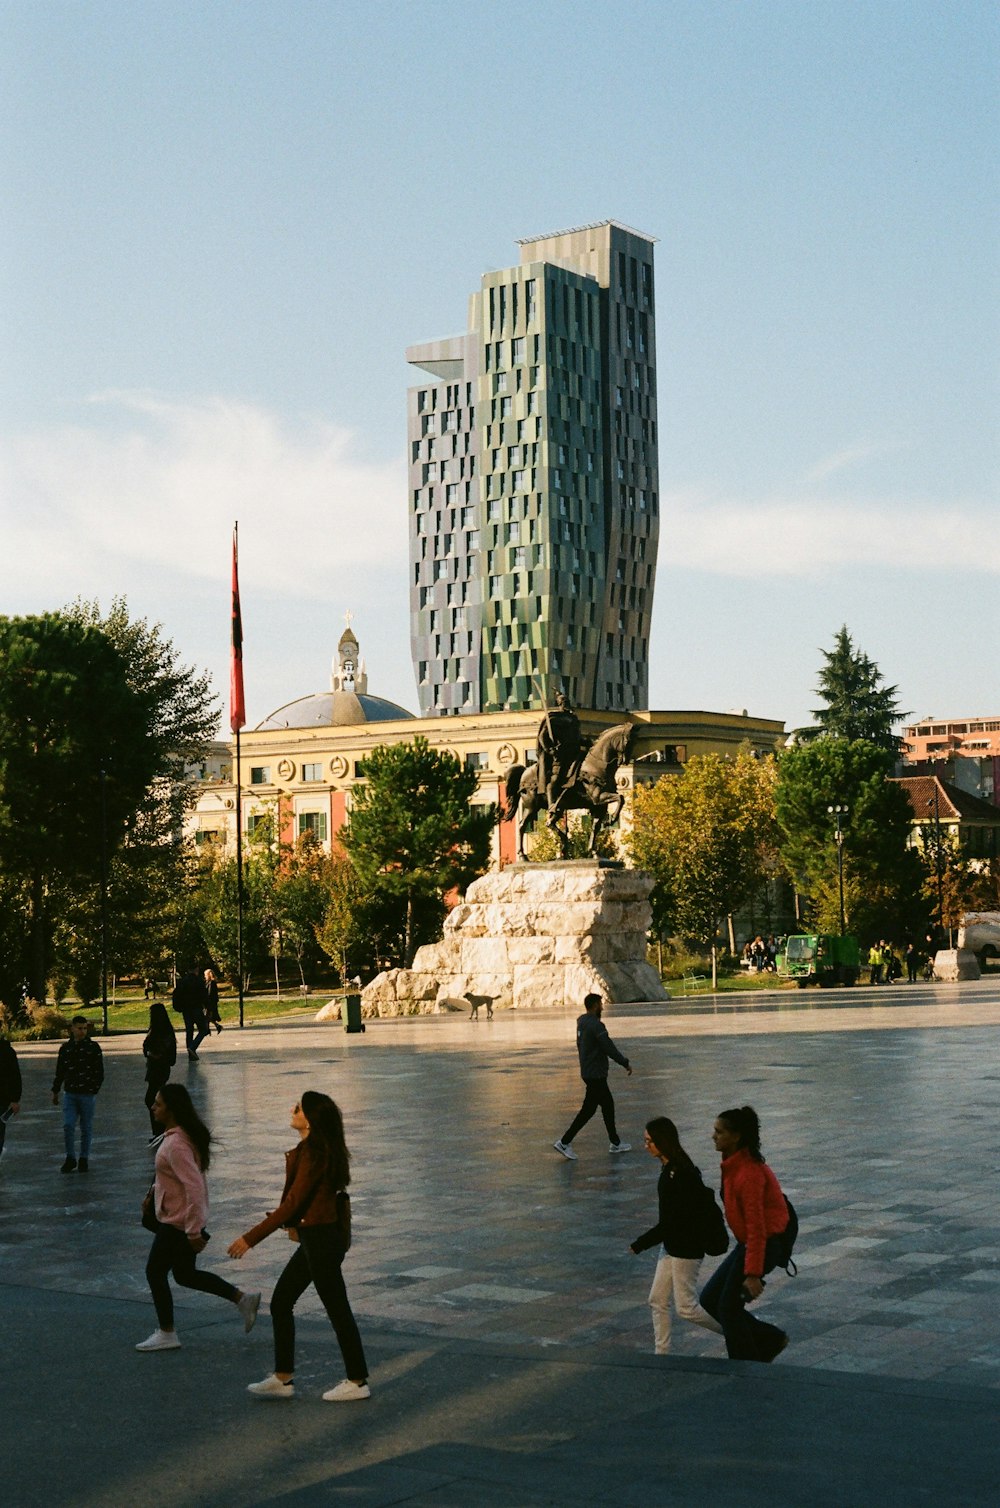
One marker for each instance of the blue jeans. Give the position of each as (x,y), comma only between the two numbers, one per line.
(78,1107)
(747,1338)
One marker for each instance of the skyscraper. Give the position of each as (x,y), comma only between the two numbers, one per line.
(534,498)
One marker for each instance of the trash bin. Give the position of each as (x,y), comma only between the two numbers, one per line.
(352,1014)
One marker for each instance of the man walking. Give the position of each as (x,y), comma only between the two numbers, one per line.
(10,1087)
(80,1067)
(190,998)
(595,1048)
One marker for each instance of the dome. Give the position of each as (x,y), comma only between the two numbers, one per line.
(338,709)
(345,705)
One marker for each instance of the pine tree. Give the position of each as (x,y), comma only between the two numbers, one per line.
(857,705)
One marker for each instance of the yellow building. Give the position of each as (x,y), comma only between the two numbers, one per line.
(302,761)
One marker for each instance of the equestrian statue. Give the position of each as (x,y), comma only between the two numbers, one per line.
(568,777)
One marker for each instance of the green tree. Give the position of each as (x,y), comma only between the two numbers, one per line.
(412,832)
(856,702)
(709,837)
(882,876)
(76,759)
(301,899)
(218,904)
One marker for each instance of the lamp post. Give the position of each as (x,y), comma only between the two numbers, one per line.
(104,902)
(838,837)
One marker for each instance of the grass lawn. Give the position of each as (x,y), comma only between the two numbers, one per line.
(744,980)
(132,1014)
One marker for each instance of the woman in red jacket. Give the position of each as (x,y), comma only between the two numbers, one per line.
(314,1206)
(757,1214)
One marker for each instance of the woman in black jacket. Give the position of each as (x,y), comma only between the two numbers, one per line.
(682,1197)
(160,1051)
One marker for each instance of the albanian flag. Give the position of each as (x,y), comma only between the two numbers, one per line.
(237,705)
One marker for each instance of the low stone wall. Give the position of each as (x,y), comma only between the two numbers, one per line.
(533,935)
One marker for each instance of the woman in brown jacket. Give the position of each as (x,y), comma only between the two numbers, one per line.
(315,1209)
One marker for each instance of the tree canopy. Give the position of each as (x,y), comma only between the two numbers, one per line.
(856,702)
(412,832)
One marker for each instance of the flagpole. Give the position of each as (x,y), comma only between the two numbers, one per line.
(237,717)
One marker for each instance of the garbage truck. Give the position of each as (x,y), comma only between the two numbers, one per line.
(819,957)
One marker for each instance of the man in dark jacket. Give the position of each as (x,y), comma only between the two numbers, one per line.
(80,1068)
(190,999)
(595,1047)
(10,1087)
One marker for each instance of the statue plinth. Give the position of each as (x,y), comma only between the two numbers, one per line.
(533,935)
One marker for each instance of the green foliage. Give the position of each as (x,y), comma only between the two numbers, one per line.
(882,877)
(544,847)
(412,832)
(708,835)
(856,703)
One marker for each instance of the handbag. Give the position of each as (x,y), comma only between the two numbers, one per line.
(149,1220)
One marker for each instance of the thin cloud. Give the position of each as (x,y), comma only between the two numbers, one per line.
(807,535)
(843,460)
(152,480)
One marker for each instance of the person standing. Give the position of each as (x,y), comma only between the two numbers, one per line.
(875,962)
(160,1051)
(212,1002)
(10,1088)
(180,1205)
(594,1047)
(912,958)
(190,1000)
(316,1209)
(682,1200)
(80,1068)
(758,1214)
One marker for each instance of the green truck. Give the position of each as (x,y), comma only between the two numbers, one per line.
(819,956)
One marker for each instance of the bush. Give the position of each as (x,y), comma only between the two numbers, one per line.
(44,1023)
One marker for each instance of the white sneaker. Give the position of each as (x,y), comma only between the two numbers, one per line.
(620,1146)
(348,1392)
(272,1387)
(248,1306)
(160,1340)
(565,1149)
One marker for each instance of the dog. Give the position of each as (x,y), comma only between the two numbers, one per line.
(475,1001)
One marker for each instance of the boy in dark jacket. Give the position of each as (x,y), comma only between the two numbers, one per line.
(80,1068)
(595,1047)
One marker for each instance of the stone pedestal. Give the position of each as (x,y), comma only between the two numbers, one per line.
(533,935)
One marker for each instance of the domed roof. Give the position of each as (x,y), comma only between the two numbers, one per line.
(339,709)
(346,704)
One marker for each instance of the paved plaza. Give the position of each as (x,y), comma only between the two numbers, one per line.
(505,1321)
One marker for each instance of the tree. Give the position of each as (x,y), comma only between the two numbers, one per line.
(882,876)
(300,898)
(856,704)
(412,832)
(709,837)
(76,758)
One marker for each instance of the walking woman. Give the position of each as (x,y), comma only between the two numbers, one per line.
(315,1208)
(757,1212)
(180,1203)
(682,1198)
(212,997)
(160,1051)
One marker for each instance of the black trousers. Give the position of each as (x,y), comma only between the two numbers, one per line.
(747,1337)
(317,1259)
(155,1080)
(597,1097)
(171,1252)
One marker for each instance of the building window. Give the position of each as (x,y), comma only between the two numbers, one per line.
(260,774)
(254,821)
(477,761)
(312,772)
(517,350)
(313,822)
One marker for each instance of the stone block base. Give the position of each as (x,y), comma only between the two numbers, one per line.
(533,935)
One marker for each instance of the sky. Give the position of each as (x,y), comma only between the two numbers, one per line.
(224,222)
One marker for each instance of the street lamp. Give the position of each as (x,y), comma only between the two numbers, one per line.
(837,812)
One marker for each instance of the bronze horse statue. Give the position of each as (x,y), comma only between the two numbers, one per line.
(594,789)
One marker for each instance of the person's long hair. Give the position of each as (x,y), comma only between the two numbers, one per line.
(326,1135)
(663,1134)
(178,1102)
(160,1024)
(743,1123)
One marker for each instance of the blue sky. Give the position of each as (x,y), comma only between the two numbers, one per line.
(224,222)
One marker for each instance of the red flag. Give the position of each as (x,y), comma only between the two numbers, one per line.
(237,705)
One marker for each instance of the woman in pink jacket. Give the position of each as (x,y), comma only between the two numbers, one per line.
(180,1200)
(757,1213)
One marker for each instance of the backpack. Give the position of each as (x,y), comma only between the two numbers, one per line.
(787,1239)
(712,1232)
(187,995)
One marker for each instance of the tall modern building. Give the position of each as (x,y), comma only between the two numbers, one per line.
(534,498)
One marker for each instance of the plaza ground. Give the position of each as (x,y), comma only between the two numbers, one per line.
(505,1321)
